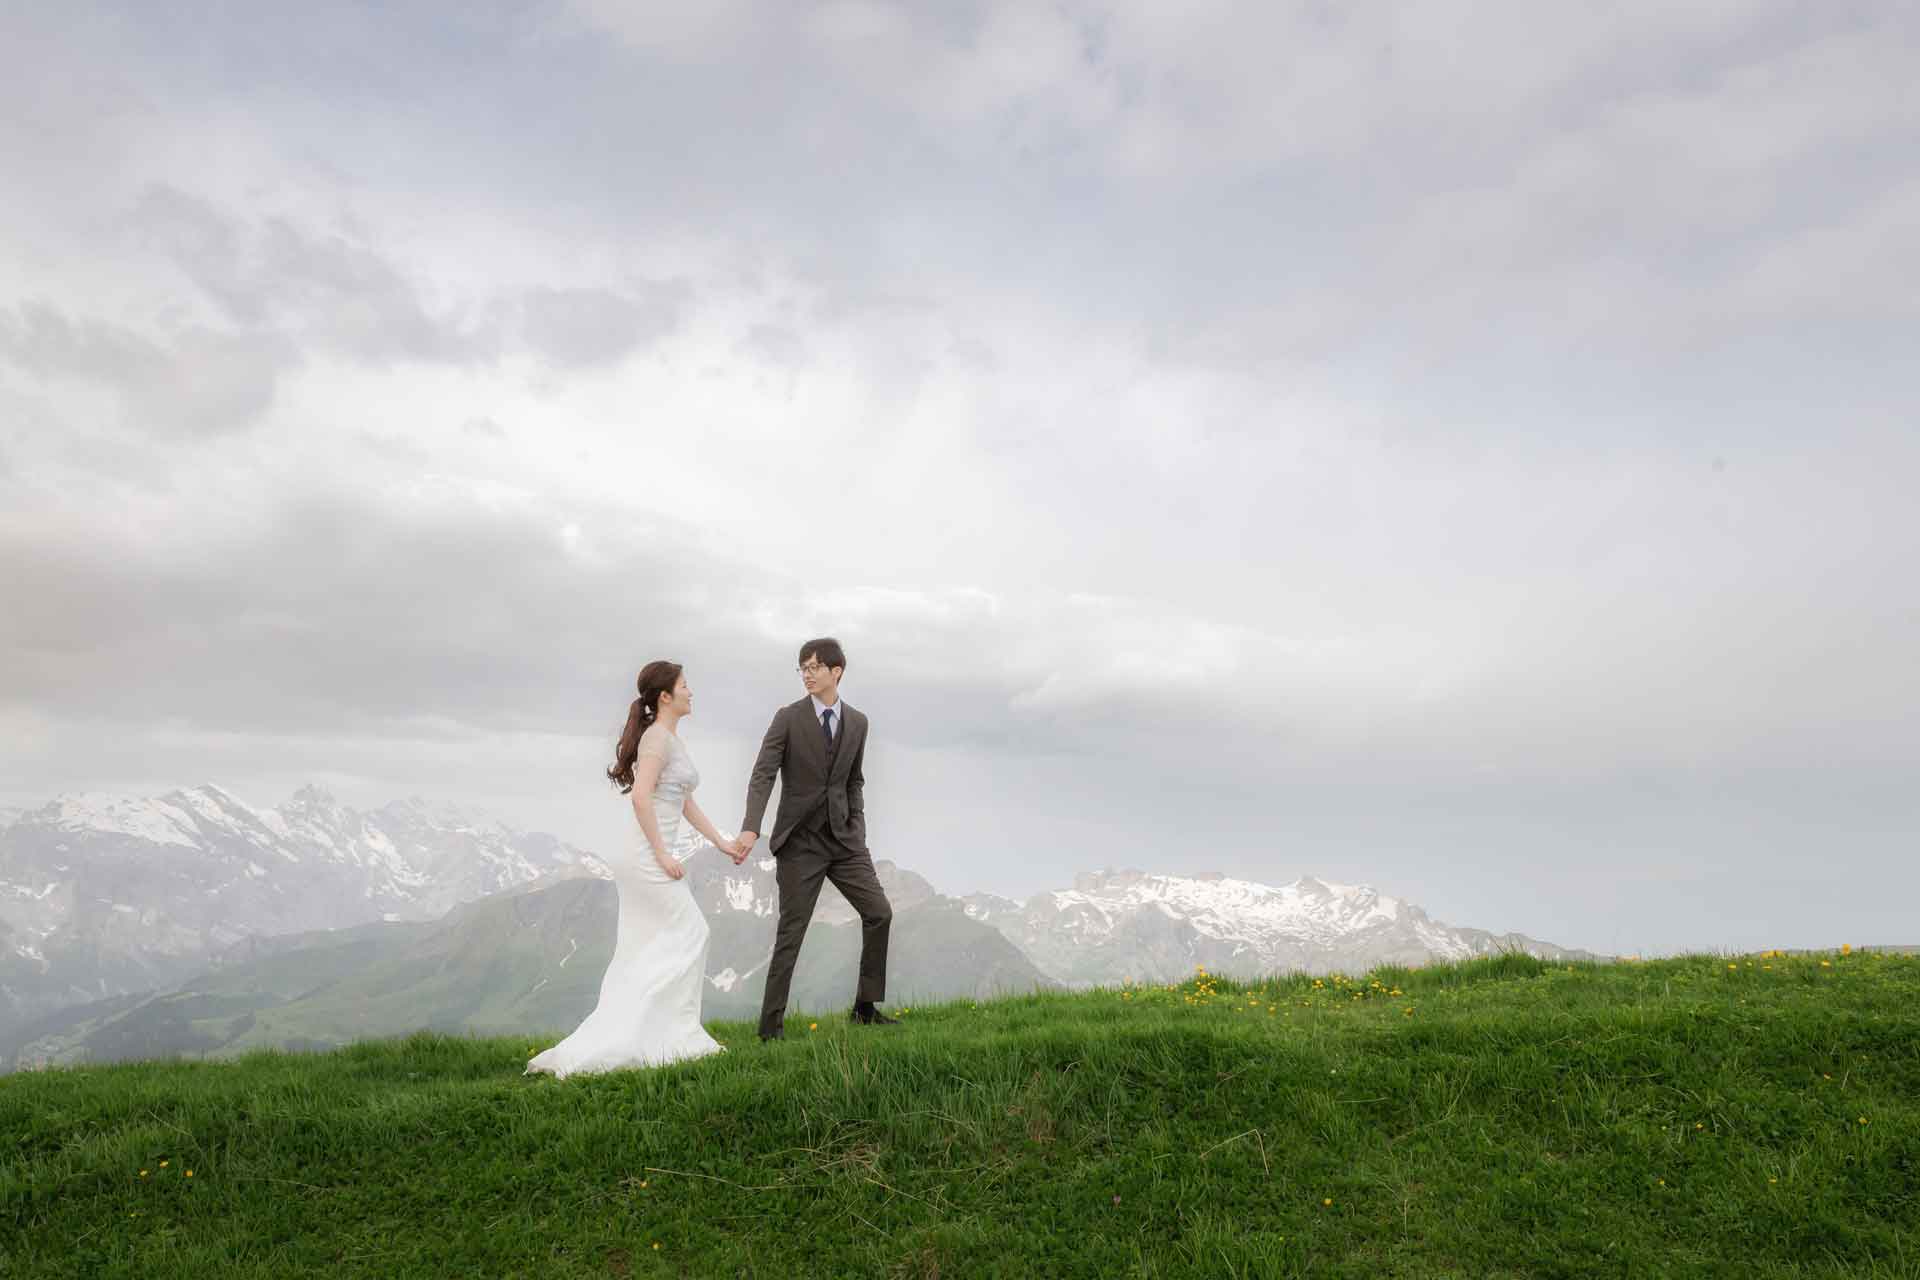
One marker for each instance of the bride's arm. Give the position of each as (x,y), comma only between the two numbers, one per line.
(646,772)
(705,827)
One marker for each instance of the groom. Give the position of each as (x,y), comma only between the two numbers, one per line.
(817,746)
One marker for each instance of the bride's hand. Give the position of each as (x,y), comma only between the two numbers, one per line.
(670,865)
(736,849)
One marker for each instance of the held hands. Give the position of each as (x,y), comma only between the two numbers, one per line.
(743,846)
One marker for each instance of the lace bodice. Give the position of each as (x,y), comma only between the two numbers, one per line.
(678,777)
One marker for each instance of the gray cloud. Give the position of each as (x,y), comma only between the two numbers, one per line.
(197,381)
(279,296)
(1416,208)
(583,328)
(331,290)
(774,344)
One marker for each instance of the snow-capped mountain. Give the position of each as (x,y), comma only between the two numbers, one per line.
(103,894)
(1127,924)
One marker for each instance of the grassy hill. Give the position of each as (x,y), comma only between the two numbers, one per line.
(1704,1116)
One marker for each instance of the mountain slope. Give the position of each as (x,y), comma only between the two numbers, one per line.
(524,962)
(104,895)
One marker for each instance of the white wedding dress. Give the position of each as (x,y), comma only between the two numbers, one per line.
(649,1009)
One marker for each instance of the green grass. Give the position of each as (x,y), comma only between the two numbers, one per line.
(1701,1116)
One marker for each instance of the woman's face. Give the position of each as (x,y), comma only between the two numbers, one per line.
(682,697)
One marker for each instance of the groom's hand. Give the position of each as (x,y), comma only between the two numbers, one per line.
(745,841)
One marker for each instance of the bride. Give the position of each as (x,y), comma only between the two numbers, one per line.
(649,1009)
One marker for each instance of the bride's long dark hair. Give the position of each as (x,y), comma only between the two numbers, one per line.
(656,678)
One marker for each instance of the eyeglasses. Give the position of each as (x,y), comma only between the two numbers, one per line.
(811,669)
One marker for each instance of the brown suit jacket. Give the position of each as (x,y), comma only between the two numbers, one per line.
(795,751)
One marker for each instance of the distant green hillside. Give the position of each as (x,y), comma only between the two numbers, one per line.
(1707,1116)
(526,962)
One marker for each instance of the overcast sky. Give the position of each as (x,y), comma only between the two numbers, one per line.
(1468,449)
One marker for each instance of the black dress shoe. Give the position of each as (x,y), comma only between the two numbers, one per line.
(778,1035)
(872,1017)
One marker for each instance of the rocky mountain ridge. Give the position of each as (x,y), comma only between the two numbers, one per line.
(1115,925)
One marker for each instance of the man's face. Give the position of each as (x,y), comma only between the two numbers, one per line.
(822,681)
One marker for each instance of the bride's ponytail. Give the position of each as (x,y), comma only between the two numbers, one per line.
(655,679)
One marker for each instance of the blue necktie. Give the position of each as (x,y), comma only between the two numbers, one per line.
(826,728)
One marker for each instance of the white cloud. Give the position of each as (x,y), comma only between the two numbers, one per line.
(1463,444)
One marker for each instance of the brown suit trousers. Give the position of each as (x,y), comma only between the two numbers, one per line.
(810,856)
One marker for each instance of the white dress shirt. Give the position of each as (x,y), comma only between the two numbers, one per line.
(839,713)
